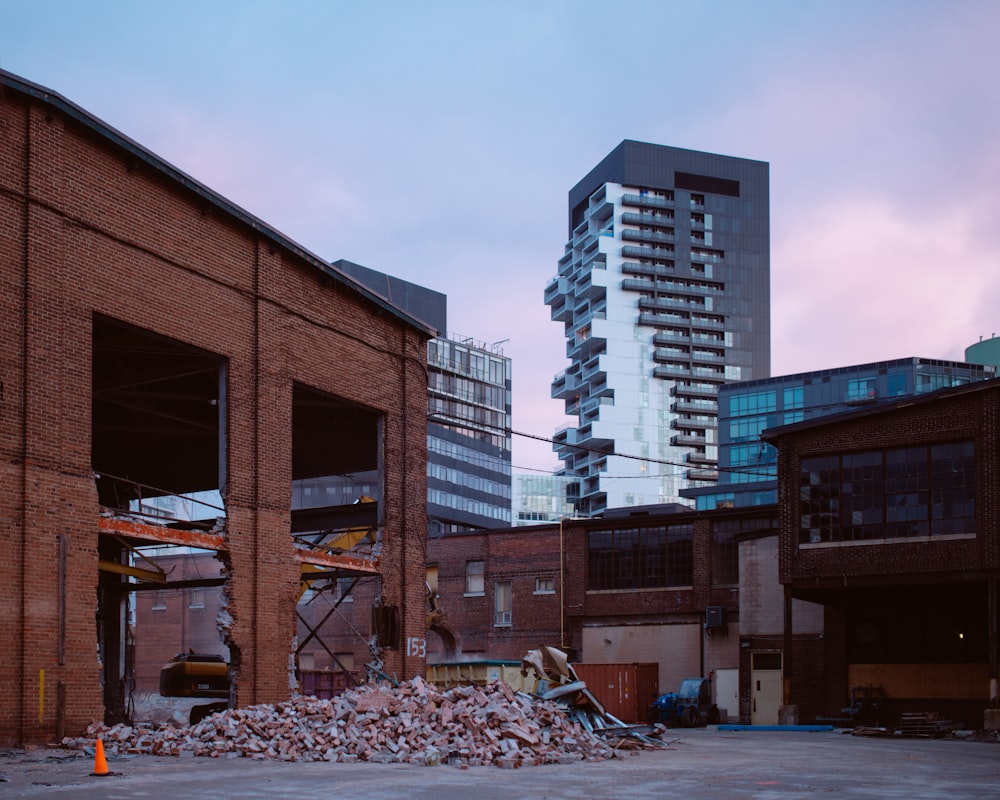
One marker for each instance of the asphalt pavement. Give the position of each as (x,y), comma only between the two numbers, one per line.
(697,763)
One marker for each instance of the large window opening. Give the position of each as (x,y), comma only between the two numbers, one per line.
(158,454)
(336,512)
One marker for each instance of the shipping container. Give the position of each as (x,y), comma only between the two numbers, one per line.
(625,690)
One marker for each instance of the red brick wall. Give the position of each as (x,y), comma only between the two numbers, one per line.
(521,555)
(93,229)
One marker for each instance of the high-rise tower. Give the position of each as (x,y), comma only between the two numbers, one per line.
(664,291)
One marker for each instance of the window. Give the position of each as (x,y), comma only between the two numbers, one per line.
(159,600)
(752,403)
(502,599)
(474,578)
(197,598)
(793,397)
(545,586)
(640,558)
(888,494)
(861,390)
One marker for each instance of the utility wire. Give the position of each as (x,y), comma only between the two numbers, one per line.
(646,459)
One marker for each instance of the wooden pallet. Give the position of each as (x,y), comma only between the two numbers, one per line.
(925,724)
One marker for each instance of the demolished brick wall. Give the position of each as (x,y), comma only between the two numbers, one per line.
(413,723)
(89,226)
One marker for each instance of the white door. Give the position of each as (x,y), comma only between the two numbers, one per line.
(765,688)
(727,694)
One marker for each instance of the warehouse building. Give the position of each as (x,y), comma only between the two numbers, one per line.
(158,340)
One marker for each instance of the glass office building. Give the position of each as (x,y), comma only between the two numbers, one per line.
(469,414)
(539,499)
(748,466)
(468,436)
(664,294)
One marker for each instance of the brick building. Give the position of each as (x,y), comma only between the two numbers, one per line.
(662,588)
(889,521)
(158,339)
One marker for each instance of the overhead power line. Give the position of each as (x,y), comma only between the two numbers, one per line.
(646,459)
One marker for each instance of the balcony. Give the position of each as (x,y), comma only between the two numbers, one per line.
(687,440)
(708,323)
(556,287)
(662,320)
(638,285)
(660,220)
(667,303)
(565,386)
(561,312)
(701,357)
(699,391)
(671,354)
(695,407)
(705,254)
(670,338)
(632,235)
(665,253)
(652,270)
(671,371)
(647,201)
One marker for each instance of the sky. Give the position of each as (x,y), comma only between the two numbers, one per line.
(437,142)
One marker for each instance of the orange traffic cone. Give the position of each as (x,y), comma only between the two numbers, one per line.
(100,762)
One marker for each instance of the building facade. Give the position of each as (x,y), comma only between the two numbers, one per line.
(889,521)
(646,588)
(748,465)
(468,435)
(469,413)
(540,498)
(158,339)
(663,292)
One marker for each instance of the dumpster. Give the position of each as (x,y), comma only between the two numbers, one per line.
(461,673)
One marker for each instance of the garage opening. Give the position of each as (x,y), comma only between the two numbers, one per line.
(158,456)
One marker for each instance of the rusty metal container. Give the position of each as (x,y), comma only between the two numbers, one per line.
(625,690)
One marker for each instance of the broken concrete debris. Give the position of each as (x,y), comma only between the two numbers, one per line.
(413,723)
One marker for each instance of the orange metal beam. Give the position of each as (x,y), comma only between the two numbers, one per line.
(338,561)
(160,533)
(213,541)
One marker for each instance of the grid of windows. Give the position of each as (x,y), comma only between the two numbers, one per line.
(459,478)
(640,557)
(755,461)
(860,389)
(742,405)
(460,503)
(744,429)
(884,494)
(793,397)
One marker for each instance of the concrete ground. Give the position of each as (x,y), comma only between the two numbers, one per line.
(701,763)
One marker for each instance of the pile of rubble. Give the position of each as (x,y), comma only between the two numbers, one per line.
(413,723)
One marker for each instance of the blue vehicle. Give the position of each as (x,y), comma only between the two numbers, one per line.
(689,707)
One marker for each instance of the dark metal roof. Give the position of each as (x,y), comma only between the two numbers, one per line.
(15,83)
